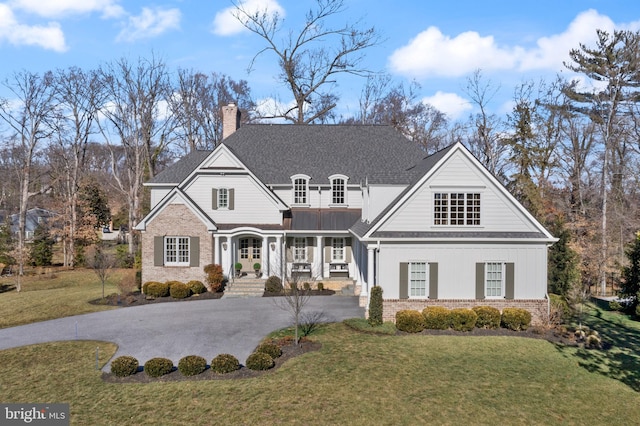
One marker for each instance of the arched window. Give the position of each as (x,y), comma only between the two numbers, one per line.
(338,190)
(300,189)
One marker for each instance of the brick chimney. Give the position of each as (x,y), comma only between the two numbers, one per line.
(230,119)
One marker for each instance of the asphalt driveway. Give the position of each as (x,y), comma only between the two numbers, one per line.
(173,330)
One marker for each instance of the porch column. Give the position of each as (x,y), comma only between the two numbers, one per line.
(264,256)
(318,259)
(370,271)
(216,249)
(355,247)
(277,258)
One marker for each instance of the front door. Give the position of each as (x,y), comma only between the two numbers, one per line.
(249,253)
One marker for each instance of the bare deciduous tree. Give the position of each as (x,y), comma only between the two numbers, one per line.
(30,117)
(311,58)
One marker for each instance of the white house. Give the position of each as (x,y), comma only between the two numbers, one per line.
(358,205)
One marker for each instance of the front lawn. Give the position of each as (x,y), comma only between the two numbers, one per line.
(45,297)
(356,378)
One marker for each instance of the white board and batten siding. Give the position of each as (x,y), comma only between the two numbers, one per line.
(251,203)
(498,213)
(456,267)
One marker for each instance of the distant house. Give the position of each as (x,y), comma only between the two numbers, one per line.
(35,217)
(357,203)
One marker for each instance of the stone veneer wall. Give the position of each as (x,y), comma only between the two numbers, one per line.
(175,220)
(537,307)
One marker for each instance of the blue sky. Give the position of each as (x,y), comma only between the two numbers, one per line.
(436,43)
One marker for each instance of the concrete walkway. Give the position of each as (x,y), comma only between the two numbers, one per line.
(173,330)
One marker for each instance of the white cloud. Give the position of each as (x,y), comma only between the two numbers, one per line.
(60,8)
(150,23)
(48,37)
(225,24)
(552,51)
(432,53)
(450,103)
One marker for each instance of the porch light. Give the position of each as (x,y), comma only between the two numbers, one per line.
(273,246)
(224,246)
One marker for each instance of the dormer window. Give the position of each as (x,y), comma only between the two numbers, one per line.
(300,189)
(338,190)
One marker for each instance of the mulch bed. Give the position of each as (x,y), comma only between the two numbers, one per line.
(137,299)
(288,351)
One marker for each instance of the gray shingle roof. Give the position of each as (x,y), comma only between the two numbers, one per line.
(374,153)
(324,219)
(177,172)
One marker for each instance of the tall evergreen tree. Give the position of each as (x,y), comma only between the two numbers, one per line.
(41,253)
(6,244)
(563,272)
(630,286)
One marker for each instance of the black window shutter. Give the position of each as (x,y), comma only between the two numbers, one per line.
(479,280)
(404,280)
(194,251)
(509,291)
(433,280)
(214,199)
(158,251)
(231,194)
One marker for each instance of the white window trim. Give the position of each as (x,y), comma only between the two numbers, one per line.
(294,250)
(426,279)
(344,249)
(220,207)
(503,274)
(345,180)
(306,178)
(177,242)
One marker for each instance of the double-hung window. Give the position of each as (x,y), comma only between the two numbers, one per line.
(299,249)
(456,208)
(338,190)
(337,249)
(300,189)
(223,198)
(418,281)
(494,278)
(176,251)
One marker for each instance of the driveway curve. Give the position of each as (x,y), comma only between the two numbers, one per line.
(173,330)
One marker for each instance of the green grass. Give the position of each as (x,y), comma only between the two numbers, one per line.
(46,297)
(356,378)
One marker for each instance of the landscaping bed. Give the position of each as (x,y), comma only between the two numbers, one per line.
(288,351)
(137,299)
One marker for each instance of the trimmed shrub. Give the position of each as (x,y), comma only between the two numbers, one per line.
(306,286)
(215,276)
(179,290)
(320,287)
(124,366)
(156,289)
(593,341)
(192,365)
(273,284)
(146,285)
(270,349)
(436,317)
(614,305)
(560,303)
(375,306)
(197,287)
(259,361)
(157,367)
(463,319)
(224,363)
(410,321)
(516,319)
(488,316)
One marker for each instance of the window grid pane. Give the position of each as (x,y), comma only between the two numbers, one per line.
(183,250)
(337,249)
(494,279)
(300,191)
(256,248)
(299,249)
(457,209)
(418,279)
(176,250)
(170,250)
(223,198)
(337,188)
(244,248)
